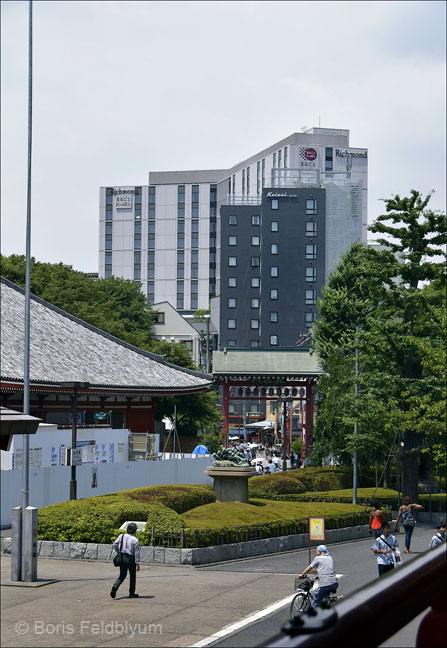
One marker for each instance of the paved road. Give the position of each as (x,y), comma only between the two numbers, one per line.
(178,606)
(354,561)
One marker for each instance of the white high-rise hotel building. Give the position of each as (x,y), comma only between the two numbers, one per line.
(168,234)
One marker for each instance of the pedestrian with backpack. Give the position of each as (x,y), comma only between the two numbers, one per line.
(406,516)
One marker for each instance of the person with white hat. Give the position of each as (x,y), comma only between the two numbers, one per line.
(327,578)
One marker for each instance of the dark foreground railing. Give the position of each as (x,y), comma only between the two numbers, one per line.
(374,613)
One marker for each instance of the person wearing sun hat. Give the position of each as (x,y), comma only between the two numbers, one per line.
(327,578)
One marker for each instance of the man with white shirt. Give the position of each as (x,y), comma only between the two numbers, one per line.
(129,546)
(271,466)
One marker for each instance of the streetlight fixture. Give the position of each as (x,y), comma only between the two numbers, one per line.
(75,385)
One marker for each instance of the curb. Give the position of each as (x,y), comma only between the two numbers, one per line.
(196,556)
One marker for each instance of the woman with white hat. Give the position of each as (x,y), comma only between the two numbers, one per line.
(327,578)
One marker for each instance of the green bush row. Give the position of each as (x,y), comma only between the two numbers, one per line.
(225,535)
(438,500)
(97,519)
(303,480)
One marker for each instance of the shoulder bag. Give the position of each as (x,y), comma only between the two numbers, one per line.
(118,559)
(397,558)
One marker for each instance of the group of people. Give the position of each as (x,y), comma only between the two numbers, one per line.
(385,547)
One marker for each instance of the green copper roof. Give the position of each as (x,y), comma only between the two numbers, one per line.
(297,362)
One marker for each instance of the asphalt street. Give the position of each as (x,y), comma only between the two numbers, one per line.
(354,561)
(178,605)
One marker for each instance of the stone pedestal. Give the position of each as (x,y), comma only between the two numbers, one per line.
(230,484)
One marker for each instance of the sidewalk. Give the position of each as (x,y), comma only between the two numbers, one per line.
(178,606)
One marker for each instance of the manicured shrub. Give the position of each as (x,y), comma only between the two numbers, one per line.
(269,486)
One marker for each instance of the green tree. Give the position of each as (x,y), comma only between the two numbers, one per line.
(397,298)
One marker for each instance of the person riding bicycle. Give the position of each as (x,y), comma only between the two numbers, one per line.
(327,578)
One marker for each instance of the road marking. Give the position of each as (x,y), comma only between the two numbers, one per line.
(243,622)
(251,618)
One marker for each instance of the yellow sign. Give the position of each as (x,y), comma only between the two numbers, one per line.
(316,528)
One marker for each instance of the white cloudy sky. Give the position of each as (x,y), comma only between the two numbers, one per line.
(122,88)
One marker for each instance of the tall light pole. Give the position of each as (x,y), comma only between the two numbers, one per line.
(356,423)
(26,373)
(75,385)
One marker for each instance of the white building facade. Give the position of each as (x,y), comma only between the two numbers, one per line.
(167,234)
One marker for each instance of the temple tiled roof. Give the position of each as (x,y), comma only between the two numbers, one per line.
(65,348)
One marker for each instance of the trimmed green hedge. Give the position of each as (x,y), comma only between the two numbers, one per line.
(269,486)
(386,497)
(96,519)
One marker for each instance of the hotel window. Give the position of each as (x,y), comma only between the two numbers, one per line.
(180,294)
(108,265)
(255,282)
(248,180)
(232,240)
(310,296)
(180,234)
(108,236)
(254,343)
(151,291)
(232,219)
(254,302)
(329,159)
(274,340)
(151,265)
(195,201)
(279,159)
(160,317)
(232,302)
(137,235)
(194,294)
(274,226)
(311,206)
(311,273)
(181,201)
(308,319)
(232,282)
(311,228)
(151,235)
(137,265)
(243,181)
(109,213)
(232,261)
(258,177)
(274,271)
(151,203)
(255,261)
(138,191)
(255,220)
(275,203)
(254,324)
(274,160)
(256,241)
(274,293)
(311,251)
(274,248)
(109,196)
(180,264)
(263,172)
(285,157)
(231,343)
(231,323)
(234,184)
(194,265)
(273,316)
(195,233)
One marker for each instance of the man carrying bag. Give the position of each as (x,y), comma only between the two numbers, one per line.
(128,559)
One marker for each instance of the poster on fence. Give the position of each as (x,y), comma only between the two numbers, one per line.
(316,531)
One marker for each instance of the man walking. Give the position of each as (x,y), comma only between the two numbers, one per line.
(129,546)
(384,547)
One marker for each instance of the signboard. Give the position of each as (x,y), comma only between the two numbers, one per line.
(124,201)
(316,529)
(75,456)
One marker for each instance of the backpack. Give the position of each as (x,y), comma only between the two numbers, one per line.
(407,518)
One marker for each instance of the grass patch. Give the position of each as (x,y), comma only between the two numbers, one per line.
(225,514)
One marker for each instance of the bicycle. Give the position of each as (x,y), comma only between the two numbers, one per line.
(304,596)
